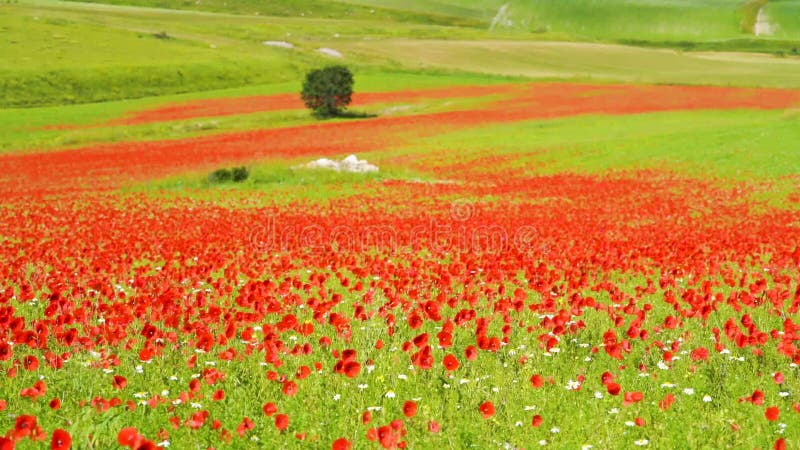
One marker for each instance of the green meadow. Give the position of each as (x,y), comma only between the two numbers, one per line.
(66,52)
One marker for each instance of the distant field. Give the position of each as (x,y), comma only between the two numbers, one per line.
(336,9)
(66,52)
(584,61)
(733,145)
(605,20)
(48,47)
(785,15)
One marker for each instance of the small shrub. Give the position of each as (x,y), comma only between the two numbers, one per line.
(220,176)
(162,35)
(224,175)
(239,174)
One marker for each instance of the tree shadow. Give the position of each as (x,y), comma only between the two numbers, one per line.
(346,115)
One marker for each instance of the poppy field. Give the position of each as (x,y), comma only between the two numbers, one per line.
(494,288)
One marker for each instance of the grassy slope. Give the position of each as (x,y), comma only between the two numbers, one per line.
(586,61)
(49,45)
(785,14)
(736,145)
(49,52)
(593,19)
(334,9)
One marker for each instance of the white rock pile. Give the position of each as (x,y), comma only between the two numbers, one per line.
(330,52)
(348,164)
(281,44)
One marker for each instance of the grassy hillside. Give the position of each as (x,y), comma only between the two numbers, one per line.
(565,60)
(734,145)
(67,52)
(604,20)
(136,52)
(785,16)
(689,20)
(334,9)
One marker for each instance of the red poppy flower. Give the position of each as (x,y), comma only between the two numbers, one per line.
(30,363)
(246,425)
(6,443)
(537,381)
(281,421)
(352,369)
(632,397)
(450,362)
(410,408)
(471,353)
(128,437)
(119,382)
(302,372)
(434,427)
(487,409)
(366,417)
(772,413)
(613,388)
(55,404)
(219,394)
(699,354)
(536,421)
(289,388)
(778,377)
(666,402)
(61,440)
(342,444)
(270,408)
(24,424)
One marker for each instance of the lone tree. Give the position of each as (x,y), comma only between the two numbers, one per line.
(327,91)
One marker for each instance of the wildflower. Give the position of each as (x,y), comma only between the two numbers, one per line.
(487,409)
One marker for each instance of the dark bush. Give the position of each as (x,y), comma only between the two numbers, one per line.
(235,174)
(239,174)
(328,91)
(220,176)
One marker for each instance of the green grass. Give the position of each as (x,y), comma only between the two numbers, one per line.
(282,182)
(584,61)
(642,19)
(785,14)
(56,59)
(63,52)
(736,145)
(605,20)
(314,9)
(57,53)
